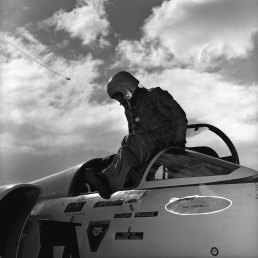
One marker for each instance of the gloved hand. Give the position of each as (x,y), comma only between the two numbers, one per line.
(180,143)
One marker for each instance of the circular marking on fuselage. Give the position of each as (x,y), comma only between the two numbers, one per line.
(197,205)
(214,251)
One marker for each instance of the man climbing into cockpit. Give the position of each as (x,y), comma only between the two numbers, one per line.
(155,121)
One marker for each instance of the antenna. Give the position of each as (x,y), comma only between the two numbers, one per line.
(34,59)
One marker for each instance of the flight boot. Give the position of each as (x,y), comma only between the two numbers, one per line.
(98,182)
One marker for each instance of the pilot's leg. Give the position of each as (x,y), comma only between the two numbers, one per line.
(98,182)
(135,151)
(94,179)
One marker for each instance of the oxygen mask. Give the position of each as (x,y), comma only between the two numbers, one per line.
(119,96)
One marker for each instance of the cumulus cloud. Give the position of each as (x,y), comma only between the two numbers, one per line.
(87,21)
(144,54)
(46,122)
(231,22)
(48,111)
(196,31)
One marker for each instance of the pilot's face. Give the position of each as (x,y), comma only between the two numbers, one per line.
(121,99)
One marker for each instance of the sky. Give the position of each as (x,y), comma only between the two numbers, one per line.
(204,52)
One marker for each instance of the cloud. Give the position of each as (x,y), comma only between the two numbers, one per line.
(48,111)
(241,70)
(87,21)
(195,31)
(144,54)
(45,117)
(185,26)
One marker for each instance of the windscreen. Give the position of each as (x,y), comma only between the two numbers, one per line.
(178,163)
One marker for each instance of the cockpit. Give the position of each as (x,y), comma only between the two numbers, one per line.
(196,161)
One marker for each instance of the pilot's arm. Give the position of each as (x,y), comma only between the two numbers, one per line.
(172,111)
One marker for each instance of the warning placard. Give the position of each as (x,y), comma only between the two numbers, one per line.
(96,232)
(74,207)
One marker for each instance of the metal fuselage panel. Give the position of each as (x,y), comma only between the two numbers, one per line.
(193,221)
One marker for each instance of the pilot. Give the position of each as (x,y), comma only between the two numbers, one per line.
(155,121)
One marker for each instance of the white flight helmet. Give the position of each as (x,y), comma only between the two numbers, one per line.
(124,83)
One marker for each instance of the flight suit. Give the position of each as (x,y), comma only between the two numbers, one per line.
(155,121)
